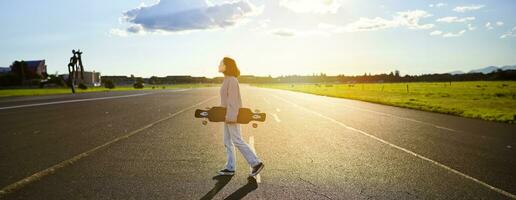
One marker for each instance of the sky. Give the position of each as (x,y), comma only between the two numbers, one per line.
(265,37)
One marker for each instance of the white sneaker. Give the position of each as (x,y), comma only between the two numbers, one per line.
(226,172)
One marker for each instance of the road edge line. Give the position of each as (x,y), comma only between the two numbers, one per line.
(372,111)
(84,100)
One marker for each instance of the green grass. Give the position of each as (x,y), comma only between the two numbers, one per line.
(494,101)
(50,91)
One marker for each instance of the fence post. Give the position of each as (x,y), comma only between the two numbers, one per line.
(407,89)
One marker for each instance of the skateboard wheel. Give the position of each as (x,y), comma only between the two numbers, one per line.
(204,123)
(255,125)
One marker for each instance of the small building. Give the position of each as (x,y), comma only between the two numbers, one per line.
(37,67)
(91,79)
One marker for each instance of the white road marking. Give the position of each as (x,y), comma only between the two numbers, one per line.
(276,117)
(266,101)
(41,174)
(251,143)
(503,192)
(72,101)
(278,110)
(81,100)
(381,113)
(404,118)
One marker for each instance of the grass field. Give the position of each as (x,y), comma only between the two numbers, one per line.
(494,101)
(49,91)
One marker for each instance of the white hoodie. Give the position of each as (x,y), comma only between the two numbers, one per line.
(230,97)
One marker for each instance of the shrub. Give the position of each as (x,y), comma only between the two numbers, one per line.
(138,85)
(500,95)
(59,81)
(82,86)
(109,84)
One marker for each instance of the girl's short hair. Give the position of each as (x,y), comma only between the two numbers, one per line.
(231,67)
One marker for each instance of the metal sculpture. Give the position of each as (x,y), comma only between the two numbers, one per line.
(75,68)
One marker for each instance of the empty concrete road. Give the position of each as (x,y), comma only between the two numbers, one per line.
(147,145)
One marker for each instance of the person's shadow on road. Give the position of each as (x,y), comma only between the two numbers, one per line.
(221,182)
(244,190)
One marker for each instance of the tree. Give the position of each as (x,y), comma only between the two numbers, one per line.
(19,70)
(139,83)
(83,86)
(154,80)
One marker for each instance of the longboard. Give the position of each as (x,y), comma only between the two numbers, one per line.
(218,114)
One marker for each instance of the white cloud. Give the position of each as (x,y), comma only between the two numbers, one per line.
(471,27)
(409,19)
(367,24)
(118,32)
(264,23)
(312,6)
(285,32)
(509,34)
(447,35)
(499,23)
(455,19)
(436,32)
(463,9)
(458,34)
(186,15)
(438,5)
(489,26)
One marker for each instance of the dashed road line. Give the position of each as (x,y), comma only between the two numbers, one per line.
(51,170)
(276,117)
(498,190)
(251,143)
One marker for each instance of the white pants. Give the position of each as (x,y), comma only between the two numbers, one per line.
(232,137)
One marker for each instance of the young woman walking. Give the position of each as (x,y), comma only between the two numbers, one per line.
(230,98)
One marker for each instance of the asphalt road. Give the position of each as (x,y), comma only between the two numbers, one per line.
(147,145)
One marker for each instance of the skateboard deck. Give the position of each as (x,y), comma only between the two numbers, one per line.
(218,114)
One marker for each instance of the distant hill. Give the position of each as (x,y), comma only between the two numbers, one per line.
(509,67)
(456,72)
(485,70)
